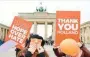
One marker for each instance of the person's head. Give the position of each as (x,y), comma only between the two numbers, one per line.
(36,38)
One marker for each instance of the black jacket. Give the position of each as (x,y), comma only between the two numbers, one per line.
(28,54)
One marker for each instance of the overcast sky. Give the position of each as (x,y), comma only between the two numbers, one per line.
(8,9)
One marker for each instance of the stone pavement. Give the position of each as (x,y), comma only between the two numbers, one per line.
(49,49)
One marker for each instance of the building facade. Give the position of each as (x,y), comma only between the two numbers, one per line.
(85,32)
(43,17)
(48,21)
(3,31)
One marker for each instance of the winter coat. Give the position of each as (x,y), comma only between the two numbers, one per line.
(26,53)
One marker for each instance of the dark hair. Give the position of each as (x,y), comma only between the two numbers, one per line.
(32,36)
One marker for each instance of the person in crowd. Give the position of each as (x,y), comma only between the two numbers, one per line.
(52,42)
(84,51)
(34,47)
(1,42)
(26,44)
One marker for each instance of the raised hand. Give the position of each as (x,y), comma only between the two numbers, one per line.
(39,47)
(32,47)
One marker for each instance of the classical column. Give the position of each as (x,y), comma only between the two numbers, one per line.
(3,34)
(87,32)
(6,31)
(83,35)
(46,30)
(54,29)
(0,34)
(35,27)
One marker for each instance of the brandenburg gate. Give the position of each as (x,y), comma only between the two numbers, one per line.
(41,17)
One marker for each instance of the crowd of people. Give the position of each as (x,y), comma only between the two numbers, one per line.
(49,42)
(33,49)
(36,49)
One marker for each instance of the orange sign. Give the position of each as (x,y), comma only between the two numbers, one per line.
(19,31)
(67,25)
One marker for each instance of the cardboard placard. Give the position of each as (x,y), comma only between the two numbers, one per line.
(19,31)
(67,26)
